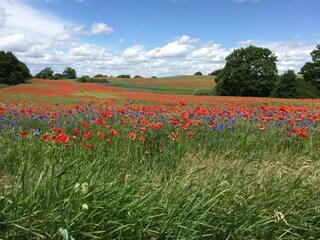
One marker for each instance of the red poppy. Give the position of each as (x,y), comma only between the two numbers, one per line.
(23,133)
(211,124)
(113,132)
(84,124)
(189,134)
(107,140)
(142,139)
(100,121)
(132,135)
(62,137)
(45,137)
(262,127)
(87,134)
(99,134)
(75,131)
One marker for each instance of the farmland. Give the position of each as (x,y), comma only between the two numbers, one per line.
(173,85)
(136,160)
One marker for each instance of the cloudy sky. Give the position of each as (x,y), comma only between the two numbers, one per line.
(155,37)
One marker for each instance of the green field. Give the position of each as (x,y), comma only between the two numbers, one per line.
(170,85)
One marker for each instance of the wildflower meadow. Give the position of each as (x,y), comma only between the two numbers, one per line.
(88,161)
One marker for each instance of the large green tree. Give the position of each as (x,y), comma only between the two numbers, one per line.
(70,73)
(45,73)
(311,70)
(250,71)
(12,71)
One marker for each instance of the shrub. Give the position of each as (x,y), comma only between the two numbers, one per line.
(198,73)
(85,78)
(137,76)
(286,86)
(99,75)
(57,76)
(124,76)
(291,85)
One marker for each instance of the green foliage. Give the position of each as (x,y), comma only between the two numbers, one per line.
(215,73)
(306,90)
(45,73)
(58,76)
(291,85)
(85,78)
(311,70)
(286,86)
(249,71)
(99,75)
(12,71)
(198,73)
(124,76)
(205,91)
(137,76)
(153,77)
(70,73)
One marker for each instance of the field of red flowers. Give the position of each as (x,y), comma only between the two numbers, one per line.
(88,161)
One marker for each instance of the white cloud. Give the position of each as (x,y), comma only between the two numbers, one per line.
(15,43)
(100,28)
(177,48)
(133,51)
(30,22)
(212,52)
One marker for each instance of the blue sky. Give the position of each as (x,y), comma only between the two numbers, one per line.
(155,37)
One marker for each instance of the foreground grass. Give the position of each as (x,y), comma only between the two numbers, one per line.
(52,194)
(231,181)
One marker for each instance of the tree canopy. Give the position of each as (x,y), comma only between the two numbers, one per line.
(311,70)
(12,71)
(70,73)
(250,71)
(45,73)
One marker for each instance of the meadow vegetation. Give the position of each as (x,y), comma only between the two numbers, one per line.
(220,168)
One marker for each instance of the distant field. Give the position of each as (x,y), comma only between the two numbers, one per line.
(171,85)
(3,85)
